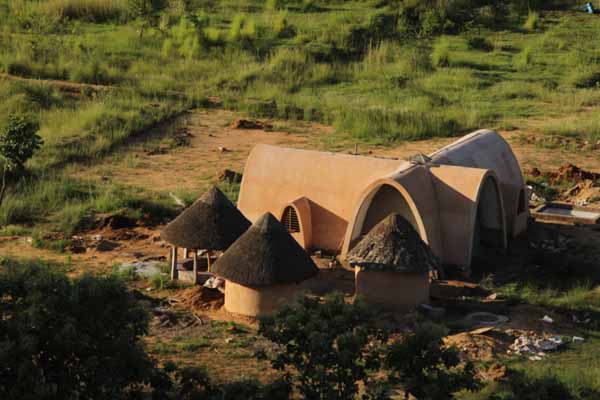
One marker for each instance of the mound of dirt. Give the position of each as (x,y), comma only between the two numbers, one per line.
(248,124)
(114,221)
(481,344)
(201,298)
(567,173)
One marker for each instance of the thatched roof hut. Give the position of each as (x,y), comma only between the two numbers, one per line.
(265,255)
(211,222)
(263,269)
(393,245)
(392,264)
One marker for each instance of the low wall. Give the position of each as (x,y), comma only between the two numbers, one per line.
(255,302)
(397,290)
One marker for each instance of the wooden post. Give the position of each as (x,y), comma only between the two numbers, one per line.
(186,253)
(195,277)
(174,271)
(207,260)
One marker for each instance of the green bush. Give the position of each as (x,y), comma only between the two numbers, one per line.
(480,43)
(440,57)
(69,339)
(532,22)
(19,139)
(329,346)
(584,77)
(425,368)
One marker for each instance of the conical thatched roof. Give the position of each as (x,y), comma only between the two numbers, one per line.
(393,245)
(265,255)
(211,223)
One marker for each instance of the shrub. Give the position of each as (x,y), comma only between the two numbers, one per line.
(425,368)
(19,139)
(524,58)
(532,22)
(480,43)
(69,339)
(584,77)
(440,57)
(329,345)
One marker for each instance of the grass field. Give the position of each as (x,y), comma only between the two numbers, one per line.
(104,82)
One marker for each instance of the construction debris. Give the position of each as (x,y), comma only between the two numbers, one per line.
(535,346)
(547,319)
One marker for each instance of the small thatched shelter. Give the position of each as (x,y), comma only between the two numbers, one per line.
(263,269)
(211,223)
(392,264)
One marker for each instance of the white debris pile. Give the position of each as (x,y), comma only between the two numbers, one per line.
(215,283)
(534,346)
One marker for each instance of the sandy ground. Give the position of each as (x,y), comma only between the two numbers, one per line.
(194,167)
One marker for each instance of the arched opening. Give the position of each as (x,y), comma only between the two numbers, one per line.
(489,230)
(386,200)
(290,220)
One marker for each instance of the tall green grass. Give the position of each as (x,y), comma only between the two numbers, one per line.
(88,10)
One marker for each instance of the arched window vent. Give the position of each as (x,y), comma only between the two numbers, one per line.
(290,220)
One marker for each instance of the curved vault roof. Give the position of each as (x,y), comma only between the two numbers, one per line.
(442,195)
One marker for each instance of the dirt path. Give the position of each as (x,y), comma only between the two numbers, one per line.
(194,167)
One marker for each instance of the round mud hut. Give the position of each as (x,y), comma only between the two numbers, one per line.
(211,223)
(263,269)
(392,265)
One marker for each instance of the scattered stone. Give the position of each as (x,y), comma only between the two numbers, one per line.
(230,176)
(105,245)
(223,149)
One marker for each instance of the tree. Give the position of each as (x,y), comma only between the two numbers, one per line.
(18,142)
(63,339)
(329,345)
(147,12)
(425,368)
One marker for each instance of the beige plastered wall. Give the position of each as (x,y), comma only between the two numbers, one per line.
(259,301)
(397,290)
(275,177)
